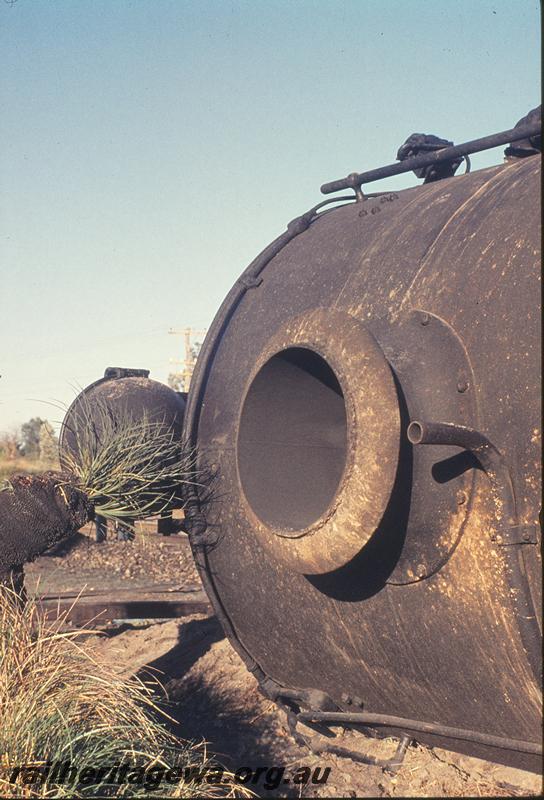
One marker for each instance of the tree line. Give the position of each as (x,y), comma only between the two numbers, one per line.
(34,440)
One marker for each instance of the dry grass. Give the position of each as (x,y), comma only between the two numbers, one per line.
(12,466)
(59,704)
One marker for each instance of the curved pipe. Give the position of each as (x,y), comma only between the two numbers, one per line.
(496,469)
(387,721)
(481,447)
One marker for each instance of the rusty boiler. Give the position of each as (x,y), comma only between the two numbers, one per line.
(122,394)
(369,399)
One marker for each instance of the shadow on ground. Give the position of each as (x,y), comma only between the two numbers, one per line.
(212,696)
(66,545)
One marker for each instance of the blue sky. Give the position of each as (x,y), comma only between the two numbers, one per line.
(151,148)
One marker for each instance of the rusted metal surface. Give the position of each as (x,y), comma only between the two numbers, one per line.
(511,535)
(288,415)
(122,393)
(398,592)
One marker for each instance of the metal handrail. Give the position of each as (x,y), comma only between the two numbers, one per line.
(356,180)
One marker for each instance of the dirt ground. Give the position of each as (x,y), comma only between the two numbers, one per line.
(211,695)
(81,562)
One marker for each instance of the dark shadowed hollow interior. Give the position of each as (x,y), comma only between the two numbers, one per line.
(292,441)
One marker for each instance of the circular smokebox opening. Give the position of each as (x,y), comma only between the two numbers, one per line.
(292,441)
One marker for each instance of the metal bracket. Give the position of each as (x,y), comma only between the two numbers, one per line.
(432,367)
(250,281)
(516,534)
(317,746)
(312,699)
(125,372)
(317,701)
(498,473)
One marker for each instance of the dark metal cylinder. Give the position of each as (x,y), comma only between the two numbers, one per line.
(124,394)
(344,557)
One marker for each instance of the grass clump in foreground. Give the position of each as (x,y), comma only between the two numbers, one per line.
(59,704)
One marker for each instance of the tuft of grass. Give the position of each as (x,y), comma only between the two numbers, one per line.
(129,468)
(59,704)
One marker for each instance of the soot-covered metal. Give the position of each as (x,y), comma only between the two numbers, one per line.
(369,395)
